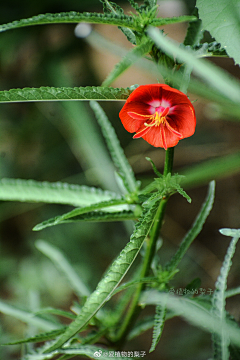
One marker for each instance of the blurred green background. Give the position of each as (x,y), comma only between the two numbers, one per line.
(62,142)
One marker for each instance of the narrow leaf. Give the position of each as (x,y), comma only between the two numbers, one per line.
(127,61)
(154,167)
(63,264)
(159,321)
(79,211)
(40,337)
(110,281)
(115,149)
(54,193)
(92,216)
(173,20)
(221,341)
(53,311)
(195,230)
(71,18)
(232,292)
(64,93)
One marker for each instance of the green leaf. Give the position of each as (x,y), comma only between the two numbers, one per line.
(54,193)
(64,93)
(221,19)
(79,211)
(128,60)
(90,351)
(212,75)
(27,317)
(194,34)
(154,168)
(230,232)
(40,337)
(194,231)
(110,7)
(113,8)
(71,18)
(115,149)
(159,321)
(64,266)
(148,4)
(221,341)
(173,20)
(165,185)
(112,278)
(232,292)
(58,312)
(92,216)
(193,312)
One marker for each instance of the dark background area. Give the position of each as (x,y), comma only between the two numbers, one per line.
(39,141)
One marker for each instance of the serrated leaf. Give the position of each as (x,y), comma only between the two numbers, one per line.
(173,20)
(40,337)
(90,351)
(221,19)
(54,193)
(59,259)
(79,211)
(127,61)
(212,75)
(221,340)
(183,193)
(154,168)
(92,216)
(159,320)
(71,17)
(64,93)
(195,229)
(134,4)
(115,149)
(110,281)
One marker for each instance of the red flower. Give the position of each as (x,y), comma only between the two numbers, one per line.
(159,114)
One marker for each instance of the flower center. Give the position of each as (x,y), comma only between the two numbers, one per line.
(158,118)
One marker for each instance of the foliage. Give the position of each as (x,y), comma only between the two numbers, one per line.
(104,316)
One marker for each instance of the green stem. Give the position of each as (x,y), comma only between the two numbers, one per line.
(134,309)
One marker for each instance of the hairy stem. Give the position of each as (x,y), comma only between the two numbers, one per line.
(134,308)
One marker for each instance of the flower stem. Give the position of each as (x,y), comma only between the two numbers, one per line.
(134,308)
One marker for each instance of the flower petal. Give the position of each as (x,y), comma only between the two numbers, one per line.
(130,124)
(147,100)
